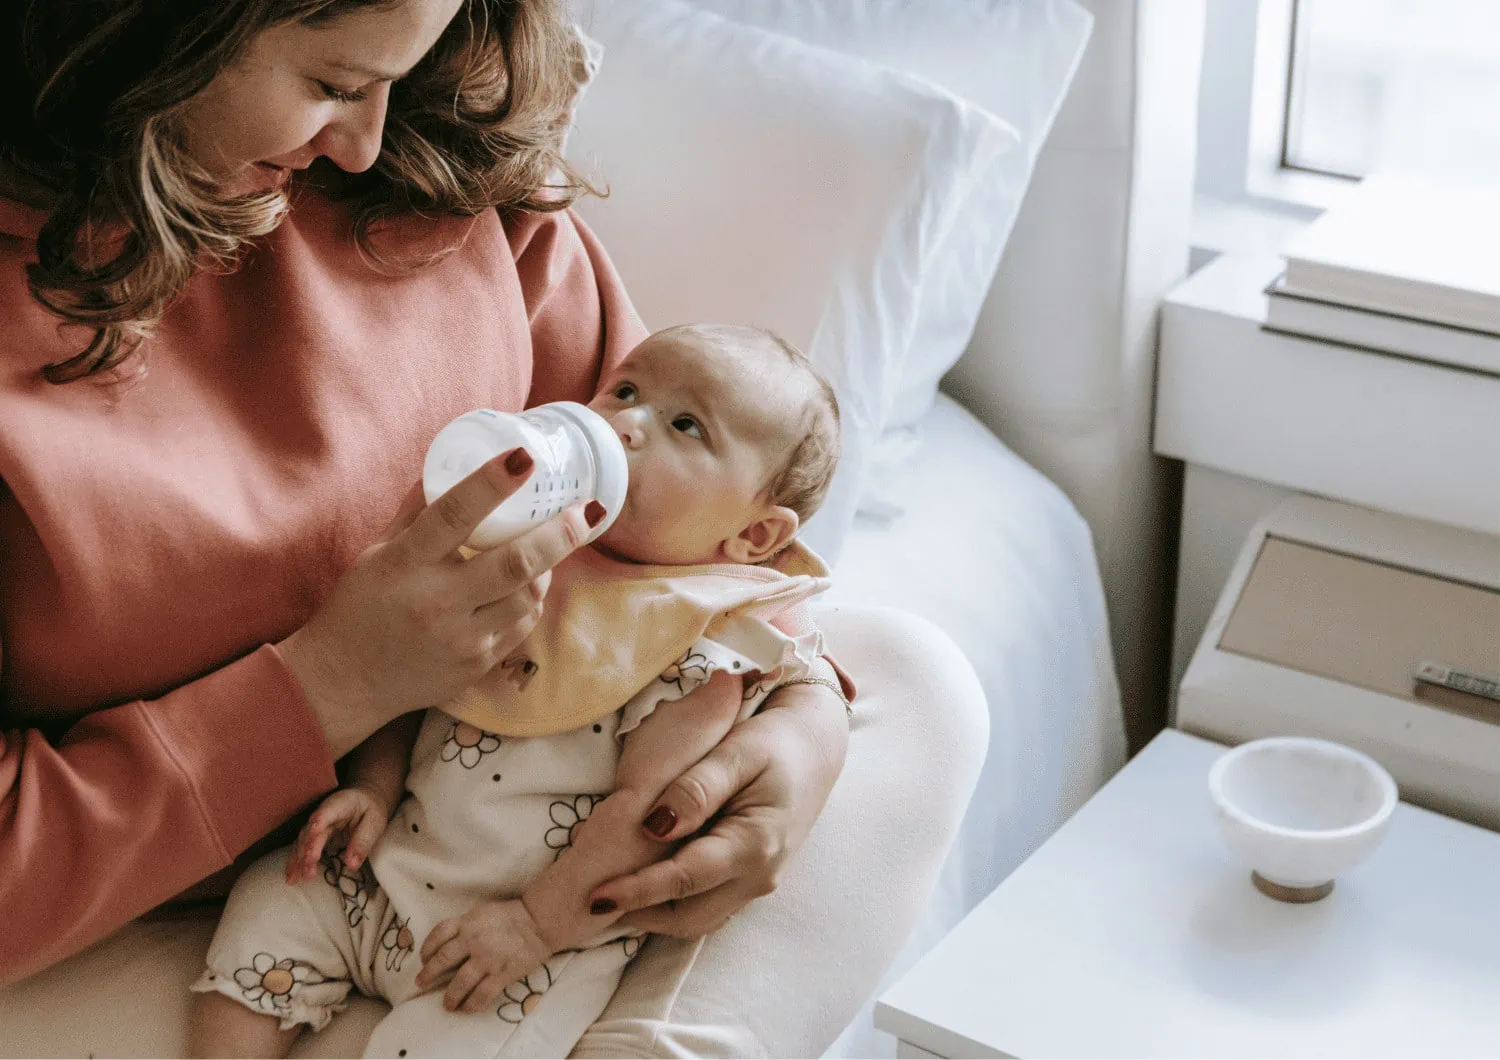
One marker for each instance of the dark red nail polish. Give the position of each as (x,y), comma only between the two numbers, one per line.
(602,906)
(661,821)
(518,462)
(593,512)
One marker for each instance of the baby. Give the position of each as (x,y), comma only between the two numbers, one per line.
(527,792)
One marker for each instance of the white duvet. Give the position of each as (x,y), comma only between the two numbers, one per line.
(963,532)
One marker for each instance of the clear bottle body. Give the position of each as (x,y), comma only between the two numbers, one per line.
(576,457)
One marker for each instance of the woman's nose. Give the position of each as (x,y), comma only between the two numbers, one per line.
(352,142)
(631,425)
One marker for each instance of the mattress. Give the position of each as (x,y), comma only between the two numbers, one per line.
(963,532)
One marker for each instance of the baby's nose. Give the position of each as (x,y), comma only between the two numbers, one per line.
(631,425)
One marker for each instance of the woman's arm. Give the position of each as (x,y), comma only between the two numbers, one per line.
(139,801)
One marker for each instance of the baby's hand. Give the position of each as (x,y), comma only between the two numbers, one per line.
(357,814)
(484,951)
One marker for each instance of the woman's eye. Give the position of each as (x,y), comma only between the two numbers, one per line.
(687,425)
(625,392)
(338,95)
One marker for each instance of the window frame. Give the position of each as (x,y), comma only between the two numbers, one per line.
(1243,112)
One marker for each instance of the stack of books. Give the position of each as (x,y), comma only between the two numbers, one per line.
(1401,267)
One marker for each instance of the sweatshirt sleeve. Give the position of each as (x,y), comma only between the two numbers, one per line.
(582,321)
(136,802)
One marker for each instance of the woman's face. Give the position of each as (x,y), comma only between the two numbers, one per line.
(301,92)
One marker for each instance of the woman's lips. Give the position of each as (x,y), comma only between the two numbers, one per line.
(270,176)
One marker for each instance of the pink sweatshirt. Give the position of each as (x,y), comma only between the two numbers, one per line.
(155,541)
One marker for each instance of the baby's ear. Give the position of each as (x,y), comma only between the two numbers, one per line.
(765,537)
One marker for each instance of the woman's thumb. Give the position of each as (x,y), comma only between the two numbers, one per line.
(697,795)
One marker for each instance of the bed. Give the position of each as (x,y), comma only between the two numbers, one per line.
(1016,584)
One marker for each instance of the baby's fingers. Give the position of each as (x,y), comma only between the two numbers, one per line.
(462,988)
(484,995)
(366,833)
(303,864)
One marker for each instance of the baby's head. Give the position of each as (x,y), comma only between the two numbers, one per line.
(732,437)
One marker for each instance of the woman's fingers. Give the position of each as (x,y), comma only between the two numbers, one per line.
(447,522)
(690,800)
(691,918)
(510,619)
(517,565)
(702,865)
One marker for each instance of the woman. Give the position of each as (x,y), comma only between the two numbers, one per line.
(253,254)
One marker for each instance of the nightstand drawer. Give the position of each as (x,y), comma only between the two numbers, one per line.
(1322,630)
(1366,623)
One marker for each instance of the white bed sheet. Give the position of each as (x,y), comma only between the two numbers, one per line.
(966,534)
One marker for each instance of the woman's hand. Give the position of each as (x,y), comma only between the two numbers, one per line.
(411,624)
(356,815)
(767,782)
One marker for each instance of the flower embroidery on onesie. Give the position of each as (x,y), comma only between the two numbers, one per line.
(397,943)
(518,999)
(567,815)
(688,672)
(270,985)
(353,887)
(468,743)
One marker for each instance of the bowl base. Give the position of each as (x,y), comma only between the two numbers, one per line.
(1282,893)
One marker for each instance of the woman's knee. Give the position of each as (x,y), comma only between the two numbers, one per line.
(918,693)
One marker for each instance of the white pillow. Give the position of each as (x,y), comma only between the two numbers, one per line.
(758,179)
(1015,59)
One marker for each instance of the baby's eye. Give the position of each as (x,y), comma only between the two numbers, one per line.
(687,425)
(625,392)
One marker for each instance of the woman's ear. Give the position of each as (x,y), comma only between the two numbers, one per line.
(763,538)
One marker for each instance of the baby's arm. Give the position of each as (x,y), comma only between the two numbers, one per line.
(362,808)
(496,943)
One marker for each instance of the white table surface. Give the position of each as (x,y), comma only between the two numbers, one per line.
(1132,932)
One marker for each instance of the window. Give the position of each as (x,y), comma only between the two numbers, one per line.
(1394,84)
(1300,98)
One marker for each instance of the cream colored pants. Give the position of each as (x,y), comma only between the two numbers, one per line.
(780,979)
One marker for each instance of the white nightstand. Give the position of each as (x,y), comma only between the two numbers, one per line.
(1257,415)
(1131,932)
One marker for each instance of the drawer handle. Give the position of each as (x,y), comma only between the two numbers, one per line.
(1431,673)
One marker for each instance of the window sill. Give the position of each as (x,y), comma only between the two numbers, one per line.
(1245,227)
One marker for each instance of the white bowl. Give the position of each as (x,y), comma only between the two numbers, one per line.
(1300,812)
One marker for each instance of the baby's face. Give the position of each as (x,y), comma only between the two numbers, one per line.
(704,428)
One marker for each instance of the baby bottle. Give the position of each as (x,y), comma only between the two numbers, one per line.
(576,453)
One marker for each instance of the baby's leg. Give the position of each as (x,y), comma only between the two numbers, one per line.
(283,956)
(544,1014)
(224,1028)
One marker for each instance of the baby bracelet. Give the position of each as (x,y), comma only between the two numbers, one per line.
(826,683)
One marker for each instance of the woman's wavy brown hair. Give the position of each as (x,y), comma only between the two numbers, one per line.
(90,100)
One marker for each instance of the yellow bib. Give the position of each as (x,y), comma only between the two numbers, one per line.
(609,628)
